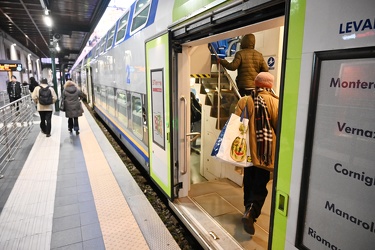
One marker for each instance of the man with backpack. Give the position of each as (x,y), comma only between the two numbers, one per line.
(44,96)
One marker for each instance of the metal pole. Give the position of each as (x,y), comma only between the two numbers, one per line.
(57,108)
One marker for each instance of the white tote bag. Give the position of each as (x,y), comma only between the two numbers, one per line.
(232,145)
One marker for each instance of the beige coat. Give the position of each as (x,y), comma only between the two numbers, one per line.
(35,97)
(272,103)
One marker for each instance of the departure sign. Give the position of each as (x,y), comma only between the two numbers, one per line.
(339,210)
(10,66)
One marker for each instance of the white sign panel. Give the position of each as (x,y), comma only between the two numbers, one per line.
(157,92)
(339,209)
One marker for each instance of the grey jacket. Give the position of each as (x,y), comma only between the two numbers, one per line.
(73,96)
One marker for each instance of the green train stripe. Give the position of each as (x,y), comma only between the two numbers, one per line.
(289,113)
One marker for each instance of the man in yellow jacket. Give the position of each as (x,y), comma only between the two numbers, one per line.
(263,115)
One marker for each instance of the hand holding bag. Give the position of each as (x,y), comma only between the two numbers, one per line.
(62,103)
(232,145)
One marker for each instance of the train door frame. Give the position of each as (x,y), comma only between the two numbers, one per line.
(160,140)
(90,87)
(191,31)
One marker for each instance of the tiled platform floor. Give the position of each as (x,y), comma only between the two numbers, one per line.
(70,192)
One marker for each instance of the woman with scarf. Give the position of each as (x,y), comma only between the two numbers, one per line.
(263,115)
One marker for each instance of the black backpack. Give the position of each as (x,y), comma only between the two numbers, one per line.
(45,96)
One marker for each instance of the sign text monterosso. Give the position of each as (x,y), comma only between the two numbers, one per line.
(350,84)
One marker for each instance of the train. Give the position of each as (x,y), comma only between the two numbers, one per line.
(139,78)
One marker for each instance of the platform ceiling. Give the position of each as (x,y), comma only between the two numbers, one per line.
(73,22)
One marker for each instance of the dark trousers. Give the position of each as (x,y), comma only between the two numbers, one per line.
(73,124)
(45,121)
(255,189)
(13,99)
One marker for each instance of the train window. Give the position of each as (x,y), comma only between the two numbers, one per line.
(96,52)
(102,45)
(137,115)
(123,23)
(97,94)
(111,35)
(103,94)
(111,100)
(122,111)
(141,11)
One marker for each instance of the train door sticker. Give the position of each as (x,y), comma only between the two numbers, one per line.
(271,62)
(157,96)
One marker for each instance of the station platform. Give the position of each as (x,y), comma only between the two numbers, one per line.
(72,191)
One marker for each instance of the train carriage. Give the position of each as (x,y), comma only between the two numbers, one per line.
(139,80)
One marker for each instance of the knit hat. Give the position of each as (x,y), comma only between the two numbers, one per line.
(264,80)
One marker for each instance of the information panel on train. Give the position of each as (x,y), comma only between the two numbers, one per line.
(339,208)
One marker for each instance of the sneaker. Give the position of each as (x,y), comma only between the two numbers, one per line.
(70,130)
(48,135)
(77,132)
(248,222)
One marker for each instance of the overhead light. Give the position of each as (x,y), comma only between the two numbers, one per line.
(48,21)
(46,12)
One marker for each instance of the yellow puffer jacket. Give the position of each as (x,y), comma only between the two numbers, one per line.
(272,103)
(248,62)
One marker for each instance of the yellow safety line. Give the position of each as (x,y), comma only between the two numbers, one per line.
(119,228)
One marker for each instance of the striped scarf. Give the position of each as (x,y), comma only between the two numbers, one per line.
(263,131)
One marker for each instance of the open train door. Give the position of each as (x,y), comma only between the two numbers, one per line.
(159,125)
(90,90)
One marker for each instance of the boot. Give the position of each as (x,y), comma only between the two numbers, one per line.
(248,221)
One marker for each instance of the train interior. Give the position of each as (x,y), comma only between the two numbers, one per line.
(214,200)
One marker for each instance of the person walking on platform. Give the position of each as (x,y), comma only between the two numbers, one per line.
(248,62)
(263,115)
(14,90)
(44,96)
(33,84)
(73,106)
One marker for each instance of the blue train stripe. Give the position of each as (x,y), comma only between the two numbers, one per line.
(125,135)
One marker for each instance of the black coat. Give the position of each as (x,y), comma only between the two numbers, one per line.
(14,94)
(32,85)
